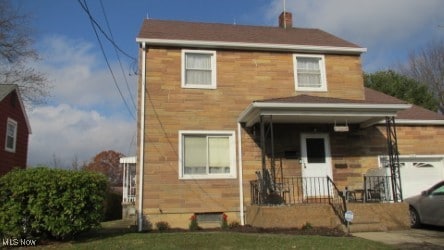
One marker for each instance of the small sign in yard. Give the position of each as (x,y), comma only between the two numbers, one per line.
(348,216)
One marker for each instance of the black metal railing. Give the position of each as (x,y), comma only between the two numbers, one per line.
(299,190)
(377,189)
(293,190)
(337,200)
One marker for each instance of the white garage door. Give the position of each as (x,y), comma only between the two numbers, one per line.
(419,173)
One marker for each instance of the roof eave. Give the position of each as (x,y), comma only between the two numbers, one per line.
(255,109)
(252,46)
(419,122)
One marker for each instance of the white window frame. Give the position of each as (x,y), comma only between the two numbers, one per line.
(321,58)
(213,84)
(14,123)
(232,150)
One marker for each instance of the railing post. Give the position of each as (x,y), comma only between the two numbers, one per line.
(364,199)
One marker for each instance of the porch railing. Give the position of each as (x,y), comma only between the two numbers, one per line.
(337,200)
(297,190)
(377,189)
(294,190)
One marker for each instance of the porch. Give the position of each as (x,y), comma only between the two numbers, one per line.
(306,142)
(128,165)
(298,201)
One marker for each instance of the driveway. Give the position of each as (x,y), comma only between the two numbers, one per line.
(425,239)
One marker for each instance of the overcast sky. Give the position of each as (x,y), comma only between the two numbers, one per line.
(86,113)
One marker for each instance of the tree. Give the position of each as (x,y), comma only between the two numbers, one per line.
(402,87)
(16,53)
(427,67)
(107,163)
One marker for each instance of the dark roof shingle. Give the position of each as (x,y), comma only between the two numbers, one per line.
(371,97)
(194,31)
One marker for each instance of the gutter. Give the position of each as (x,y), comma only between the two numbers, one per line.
(255,109)
(252,46)
(141,138)
(241,180)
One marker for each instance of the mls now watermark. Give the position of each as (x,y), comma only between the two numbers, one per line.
(14,242)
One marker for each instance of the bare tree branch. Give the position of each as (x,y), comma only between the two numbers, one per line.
(427,67)
(16,54)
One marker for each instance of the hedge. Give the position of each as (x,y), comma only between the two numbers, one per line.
(54,203)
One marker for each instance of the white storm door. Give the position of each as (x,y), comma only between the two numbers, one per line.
(315,163)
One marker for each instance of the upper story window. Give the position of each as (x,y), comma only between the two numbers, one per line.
(199,69)
(11,135)
(309,72)
(207,155)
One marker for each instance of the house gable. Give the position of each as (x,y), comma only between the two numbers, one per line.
(13,152)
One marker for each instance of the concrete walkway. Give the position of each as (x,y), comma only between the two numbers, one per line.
(408,239)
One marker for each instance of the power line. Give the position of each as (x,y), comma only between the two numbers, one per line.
(85,7)
(118,57)
(91,18)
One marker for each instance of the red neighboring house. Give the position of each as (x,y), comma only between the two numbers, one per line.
(14,129)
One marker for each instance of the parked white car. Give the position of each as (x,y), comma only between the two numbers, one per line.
(428,207)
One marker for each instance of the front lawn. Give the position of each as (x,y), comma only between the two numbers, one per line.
(216,240)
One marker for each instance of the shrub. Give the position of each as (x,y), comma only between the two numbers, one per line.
(194,225)
(43,202)
(234,224)
(307,226)
(162,226)
(224,222)
(113,206)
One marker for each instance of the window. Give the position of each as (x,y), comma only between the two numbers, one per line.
(199,69)
(207,155)
(11,135)
(309,73)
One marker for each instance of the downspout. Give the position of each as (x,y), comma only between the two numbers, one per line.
(241,180)
(142,138)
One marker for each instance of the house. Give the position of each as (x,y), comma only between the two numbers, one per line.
(232,117)
(14,129)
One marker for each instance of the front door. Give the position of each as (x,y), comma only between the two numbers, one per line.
(315,163)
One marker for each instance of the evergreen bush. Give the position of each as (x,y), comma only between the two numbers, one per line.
(43,202)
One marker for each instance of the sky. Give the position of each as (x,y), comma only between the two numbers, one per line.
(86,114)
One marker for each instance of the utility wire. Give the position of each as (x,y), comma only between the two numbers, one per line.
(91,18)
(118,57)
(85,7)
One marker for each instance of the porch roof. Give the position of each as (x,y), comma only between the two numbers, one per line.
(313,109)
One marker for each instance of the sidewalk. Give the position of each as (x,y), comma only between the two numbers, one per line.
(408,239)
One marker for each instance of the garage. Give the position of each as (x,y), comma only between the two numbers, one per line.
(418,172)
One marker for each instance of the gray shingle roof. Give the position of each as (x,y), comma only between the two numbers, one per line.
(371,97)
(193,31)
(5,89)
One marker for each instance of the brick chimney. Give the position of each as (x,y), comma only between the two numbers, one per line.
(285,20)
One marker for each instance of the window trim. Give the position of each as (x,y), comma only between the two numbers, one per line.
(232,143)
(13,122)
(213,84)
(323,87)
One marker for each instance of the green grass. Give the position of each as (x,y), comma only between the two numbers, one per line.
(215,240)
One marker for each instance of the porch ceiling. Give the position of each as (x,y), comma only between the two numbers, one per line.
(365,114)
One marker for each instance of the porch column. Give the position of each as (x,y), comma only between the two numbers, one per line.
(262,127)
(393,154)
(124,184)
